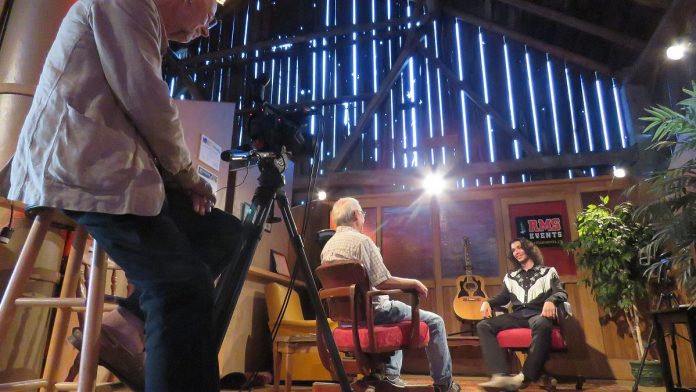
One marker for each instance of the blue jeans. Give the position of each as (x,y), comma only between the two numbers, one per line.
(438,353)
(172,259)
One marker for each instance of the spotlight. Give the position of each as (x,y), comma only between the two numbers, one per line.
(619,172)
(676,51)
(321,195)
(434,184)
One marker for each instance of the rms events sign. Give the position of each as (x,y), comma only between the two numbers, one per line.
(543,230)
(547,225)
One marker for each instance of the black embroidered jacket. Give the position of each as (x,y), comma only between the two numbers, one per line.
(530,289)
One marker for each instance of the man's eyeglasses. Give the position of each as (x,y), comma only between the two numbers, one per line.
(212,23)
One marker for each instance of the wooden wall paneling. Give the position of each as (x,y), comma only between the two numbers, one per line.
(378,233)
(503,264)
(618,342)
(687,362)
(437,254)
(616,348)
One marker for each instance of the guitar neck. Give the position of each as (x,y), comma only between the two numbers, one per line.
(468,268)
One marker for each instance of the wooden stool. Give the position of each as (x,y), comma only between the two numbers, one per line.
(94,302)
(285,347)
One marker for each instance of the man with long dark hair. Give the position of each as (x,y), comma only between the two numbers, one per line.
(534,292)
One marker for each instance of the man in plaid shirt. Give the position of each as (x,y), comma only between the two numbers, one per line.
(350,244)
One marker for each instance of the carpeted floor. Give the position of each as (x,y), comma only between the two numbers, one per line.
(470,384)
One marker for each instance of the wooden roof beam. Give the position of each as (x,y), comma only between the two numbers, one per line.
(478,100)
(382,177)
(677,16)
(577,24)
(546,47)
(410,45)
(358,29)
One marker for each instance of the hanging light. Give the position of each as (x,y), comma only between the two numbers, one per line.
(434,184)
(676,51)
(619,172)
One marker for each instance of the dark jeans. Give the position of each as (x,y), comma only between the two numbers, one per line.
(538,351)
(172,259)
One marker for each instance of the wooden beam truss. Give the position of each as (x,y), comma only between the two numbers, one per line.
(384,177)
(577,23)
(557,51)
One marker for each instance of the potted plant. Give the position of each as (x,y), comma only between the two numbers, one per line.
(607,251)
(671,207)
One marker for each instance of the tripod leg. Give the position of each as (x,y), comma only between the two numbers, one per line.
(642,360)
(673,332)
(312,289)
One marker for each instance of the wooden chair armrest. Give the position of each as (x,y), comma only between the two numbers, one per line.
(415,315)
(564,310)
(372,293)
(334,292)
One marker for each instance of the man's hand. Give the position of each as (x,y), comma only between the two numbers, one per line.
(549,310)
(420,288)
(486,311)
(203,197)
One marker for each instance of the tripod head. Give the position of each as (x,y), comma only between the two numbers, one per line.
(271,129)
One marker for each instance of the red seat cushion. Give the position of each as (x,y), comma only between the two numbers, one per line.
(388,337)
(517,338)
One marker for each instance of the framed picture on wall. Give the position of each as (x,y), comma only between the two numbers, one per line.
(280,263)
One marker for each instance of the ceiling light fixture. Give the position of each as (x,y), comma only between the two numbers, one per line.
(619,172)
(676,51)
(434,184)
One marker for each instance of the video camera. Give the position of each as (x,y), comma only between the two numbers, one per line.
(273,131)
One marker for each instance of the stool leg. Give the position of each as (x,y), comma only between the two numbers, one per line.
(23,270)
(93,318)
(276,366)
(62,321)
(288,368)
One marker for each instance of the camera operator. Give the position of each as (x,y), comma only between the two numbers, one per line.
(103,142)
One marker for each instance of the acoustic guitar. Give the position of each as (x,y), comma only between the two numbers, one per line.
(467,303)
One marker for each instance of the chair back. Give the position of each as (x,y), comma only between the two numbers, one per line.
(275,294)
(344,273)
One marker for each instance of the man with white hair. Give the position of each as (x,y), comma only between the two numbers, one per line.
(349,243)
(103,143)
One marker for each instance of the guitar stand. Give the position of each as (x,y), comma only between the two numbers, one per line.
(230,284)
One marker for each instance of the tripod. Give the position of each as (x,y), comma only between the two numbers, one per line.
(230,284)
(652,339)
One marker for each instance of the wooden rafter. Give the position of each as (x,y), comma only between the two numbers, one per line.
(232,61)
(186,82)
(340,31)
(680,13)
(577,23)
(410,45)
(317,103)
(478,100)
(382,177)
(557,51)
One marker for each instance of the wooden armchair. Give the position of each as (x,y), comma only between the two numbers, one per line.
(367,347)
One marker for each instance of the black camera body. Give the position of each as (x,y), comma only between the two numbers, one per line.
(271,129)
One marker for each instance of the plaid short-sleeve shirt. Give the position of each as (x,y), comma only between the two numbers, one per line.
(349,244)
